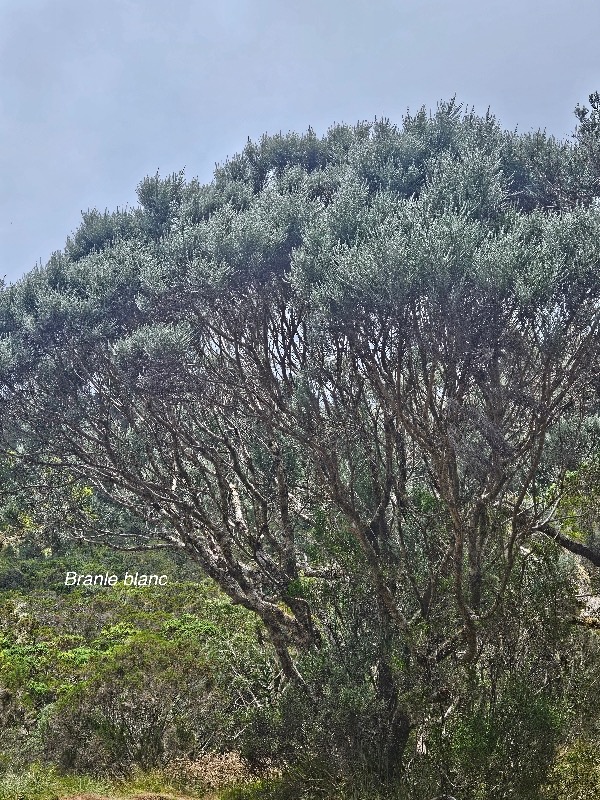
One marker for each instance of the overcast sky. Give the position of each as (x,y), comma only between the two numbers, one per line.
(96,94)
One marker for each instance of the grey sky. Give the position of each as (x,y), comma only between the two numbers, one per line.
(96,94)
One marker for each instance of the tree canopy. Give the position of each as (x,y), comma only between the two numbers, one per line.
(355,377)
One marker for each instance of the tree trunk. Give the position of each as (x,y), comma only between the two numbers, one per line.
(395,725)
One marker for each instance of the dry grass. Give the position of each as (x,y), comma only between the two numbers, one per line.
(211,771)
(143,796)
(203,777)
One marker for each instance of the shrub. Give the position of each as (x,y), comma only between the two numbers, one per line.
(575,773)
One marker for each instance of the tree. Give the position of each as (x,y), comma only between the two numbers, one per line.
(588,136)
(349,377)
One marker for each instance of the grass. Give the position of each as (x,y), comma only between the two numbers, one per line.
(46,783)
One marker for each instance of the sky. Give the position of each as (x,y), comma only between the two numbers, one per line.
(97,94)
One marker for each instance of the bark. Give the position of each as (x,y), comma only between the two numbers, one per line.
(592,554)
(396,724)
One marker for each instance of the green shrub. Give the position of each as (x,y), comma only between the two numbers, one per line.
(100,682)
(575,773)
